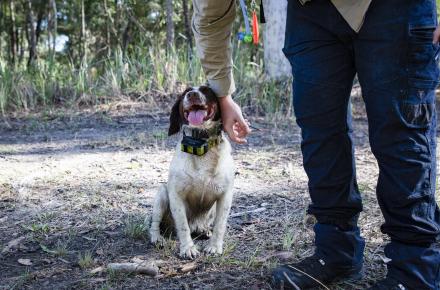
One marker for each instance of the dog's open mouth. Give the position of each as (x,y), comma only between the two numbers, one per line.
(198,114)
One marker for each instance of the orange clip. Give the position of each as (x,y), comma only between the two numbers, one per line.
(255,30)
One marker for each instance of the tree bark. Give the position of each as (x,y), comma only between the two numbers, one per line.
(40,16)
(13,33)
(170,24)
(276,64)
(187,24)
(107,28)
(53,25)
(2,25)
(126,37)
(83,41)
(32,39)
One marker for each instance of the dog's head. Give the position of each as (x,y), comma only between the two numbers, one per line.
(196,106)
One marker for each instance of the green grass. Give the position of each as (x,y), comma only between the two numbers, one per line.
(135,228)
(85,260)
(146,74)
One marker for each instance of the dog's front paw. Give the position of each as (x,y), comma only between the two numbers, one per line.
(189,251)
(157,239)
(214,249)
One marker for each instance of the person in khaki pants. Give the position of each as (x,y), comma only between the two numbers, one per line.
(393,48)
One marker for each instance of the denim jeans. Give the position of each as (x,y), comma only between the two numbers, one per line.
(396,64)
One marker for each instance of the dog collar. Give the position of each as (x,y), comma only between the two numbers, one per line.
(198,141)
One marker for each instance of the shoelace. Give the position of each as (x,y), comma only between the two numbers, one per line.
(308,266)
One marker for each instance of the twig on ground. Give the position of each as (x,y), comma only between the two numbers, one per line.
(238,214)
(148,268)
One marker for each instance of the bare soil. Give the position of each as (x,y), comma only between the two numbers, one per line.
(77,186)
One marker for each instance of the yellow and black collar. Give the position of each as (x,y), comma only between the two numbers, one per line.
(198,141)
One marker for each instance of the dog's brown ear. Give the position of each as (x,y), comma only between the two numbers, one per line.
(175,118)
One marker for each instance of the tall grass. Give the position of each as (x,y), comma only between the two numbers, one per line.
(145,74)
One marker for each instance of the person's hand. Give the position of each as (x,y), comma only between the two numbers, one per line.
(436,36)
(234,124)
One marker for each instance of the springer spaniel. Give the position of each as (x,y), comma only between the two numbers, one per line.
(201,176)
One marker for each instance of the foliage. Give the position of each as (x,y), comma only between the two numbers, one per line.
(121,54)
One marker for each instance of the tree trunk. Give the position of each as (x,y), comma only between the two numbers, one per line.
(40,16)
(13,33)
(187,24)
(107,28)
(53,26)
(83,41)
(32,39)
(170,24)
(20,42)
(2,25)
(276,64)
(126,37)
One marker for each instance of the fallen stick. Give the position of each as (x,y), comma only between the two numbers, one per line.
(260,209)
(148,268)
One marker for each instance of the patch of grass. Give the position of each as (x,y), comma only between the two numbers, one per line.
(22,280)
(363,187)
(38,228)
(252,260)
(160,135)
(61,248)
(46,217)
(117,276)
(135,228)
(168,248)
(85,260)
(288,238)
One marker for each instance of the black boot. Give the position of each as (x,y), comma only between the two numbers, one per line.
(312,272)
(338,255)
(388,284)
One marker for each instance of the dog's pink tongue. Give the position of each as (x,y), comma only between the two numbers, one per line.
(196,117)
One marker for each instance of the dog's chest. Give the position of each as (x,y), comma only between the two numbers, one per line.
(202,178)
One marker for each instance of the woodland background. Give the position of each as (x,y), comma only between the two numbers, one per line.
(83,52)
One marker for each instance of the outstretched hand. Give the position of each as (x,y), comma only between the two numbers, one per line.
(436,36)
(234,124)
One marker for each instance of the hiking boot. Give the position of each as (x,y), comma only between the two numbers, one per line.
(388,284)
(312,272)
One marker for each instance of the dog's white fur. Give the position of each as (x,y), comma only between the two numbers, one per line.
(198,193)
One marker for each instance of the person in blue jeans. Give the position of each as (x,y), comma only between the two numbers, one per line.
(392,47)
(395,60)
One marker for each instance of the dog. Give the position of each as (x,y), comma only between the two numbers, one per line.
(198,194)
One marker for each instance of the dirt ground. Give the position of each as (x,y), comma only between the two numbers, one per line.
(76,187)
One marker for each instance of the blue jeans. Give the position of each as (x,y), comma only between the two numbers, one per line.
(396,64)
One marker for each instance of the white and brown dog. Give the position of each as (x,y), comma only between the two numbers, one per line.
(198,194)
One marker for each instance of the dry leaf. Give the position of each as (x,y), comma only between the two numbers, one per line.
(25,262)
(188,267)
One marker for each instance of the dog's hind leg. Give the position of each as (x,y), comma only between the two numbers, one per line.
(160,206)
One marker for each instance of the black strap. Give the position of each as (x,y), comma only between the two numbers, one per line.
(262,18)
